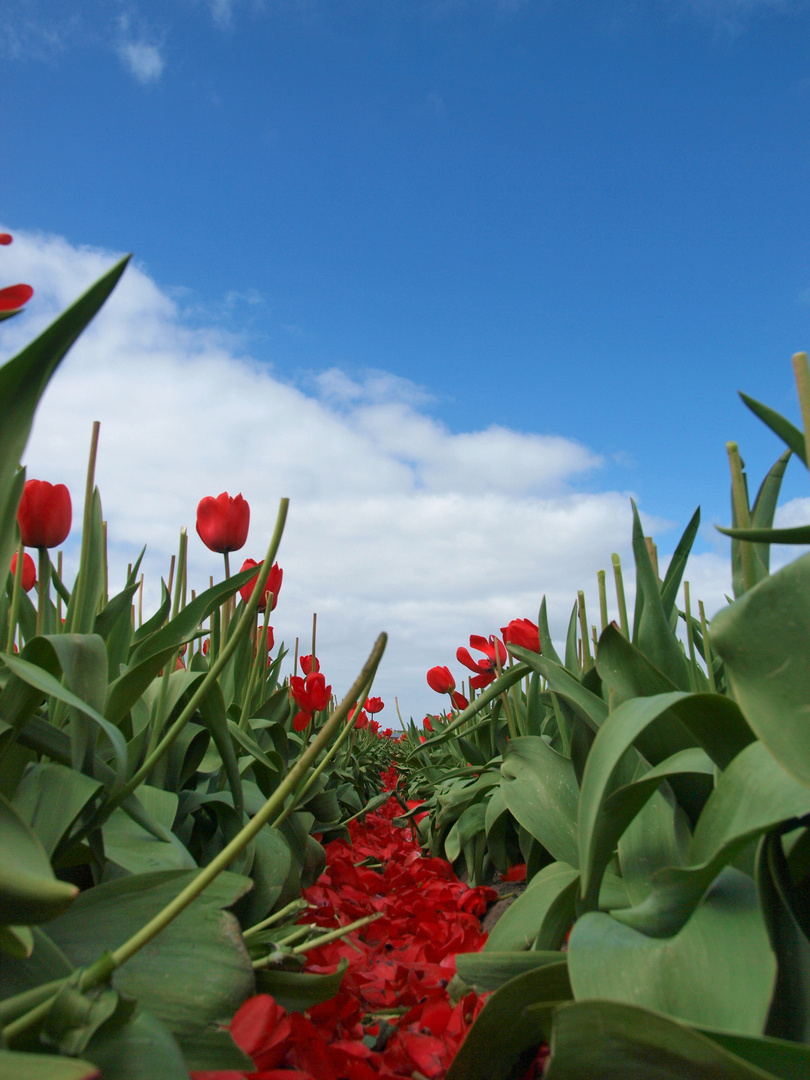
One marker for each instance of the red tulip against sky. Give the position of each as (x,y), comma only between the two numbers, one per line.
(29,571)
(522,632)
(5,238)
(459,701)
(309,664)
(223,522)
(494,652)
(44,514)
(13,297)
(311,695)
(441,680)
(272,585)
(374,705)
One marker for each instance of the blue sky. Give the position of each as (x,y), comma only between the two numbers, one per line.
(586,221)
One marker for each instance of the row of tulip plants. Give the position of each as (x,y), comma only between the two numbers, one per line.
(165,797)
(164,794)
(656,781)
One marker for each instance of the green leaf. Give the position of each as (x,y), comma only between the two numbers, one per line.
(677,565)
(141,1049)
(718,971)
(540,790)
(713,720)
(130,846)
(546,644)
(490,970)
(779,425)
(541,916)
(29,892)
(762,639)
(586,704)
(43,681)
(15,1066)
(652,633)
(607,1040)
(502,1033)
(50,797)
(86,594)
(752,796)
(23,381)
(194,975)
(776,1057)
(296,991)
(16,941)
(789,1017)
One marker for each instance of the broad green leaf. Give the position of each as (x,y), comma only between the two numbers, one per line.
(269,872)
(29,892)
(571,651)
(717,971)
(712,720)
(141,1049)
(194,975)
(14,1066)
(297,991)
(501,1033)
(540,789)
(762,639)
(607,1040)
(777,1057)
(125,691)
(490,970)
(43,681)
(544,911)
(157,620)
(764,508)
(130,846)
(753,796)
(658,836)
(23,381)
(50,797)
(789,1017)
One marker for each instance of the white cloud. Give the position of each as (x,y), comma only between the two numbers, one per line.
(395,524)
(142,60)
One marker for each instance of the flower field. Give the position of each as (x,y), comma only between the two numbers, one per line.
(213,867)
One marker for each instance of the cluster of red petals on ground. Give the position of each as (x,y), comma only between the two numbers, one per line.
(392,1018)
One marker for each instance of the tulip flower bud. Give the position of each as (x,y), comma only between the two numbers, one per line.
(272,585)
(523,633)
(45,514)
(29,571)
(440,680)
(223,522)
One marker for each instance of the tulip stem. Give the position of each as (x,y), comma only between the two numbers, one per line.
(213,674)
(14,614)
(43,592)
(288,909)
(620,599)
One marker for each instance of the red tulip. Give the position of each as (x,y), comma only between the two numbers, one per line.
(426,724)
(309,664)
(272,585)
(223,522)
(459,701)
(522,632)
(44,514)
(5,238)
(374,705)
(486,669)
(440,680)
(29,571)
(311,695)
(13,297)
